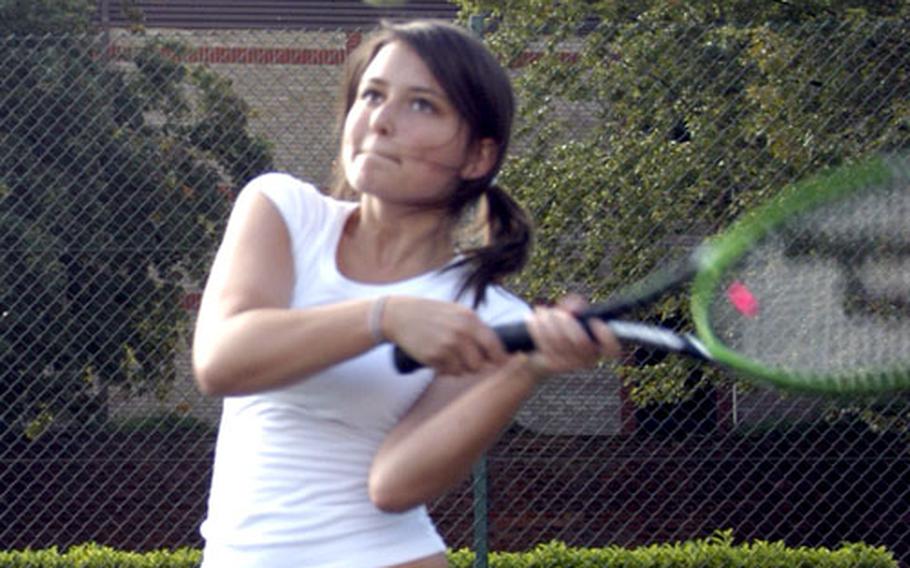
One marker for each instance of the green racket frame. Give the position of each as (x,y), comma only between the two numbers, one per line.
(722,251)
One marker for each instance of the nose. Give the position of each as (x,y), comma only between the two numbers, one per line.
(382,119)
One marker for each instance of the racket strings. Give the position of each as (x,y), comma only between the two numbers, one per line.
(826,292)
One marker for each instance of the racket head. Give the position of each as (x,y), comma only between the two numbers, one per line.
(774,296)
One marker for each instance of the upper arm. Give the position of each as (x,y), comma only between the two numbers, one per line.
(253,267)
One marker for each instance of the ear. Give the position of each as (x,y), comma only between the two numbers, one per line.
(481,158)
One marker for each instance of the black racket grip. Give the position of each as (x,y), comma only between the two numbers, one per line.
(514,336)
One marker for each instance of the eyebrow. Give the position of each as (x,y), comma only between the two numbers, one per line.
(414,89)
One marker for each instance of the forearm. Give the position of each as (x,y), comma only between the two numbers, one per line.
(264,348)
(422,461)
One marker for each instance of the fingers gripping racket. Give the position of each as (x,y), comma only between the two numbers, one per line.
(809,292)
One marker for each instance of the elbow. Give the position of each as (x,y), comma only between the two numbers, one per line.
(209,380)
(204,382)
(390,497)
(205,365)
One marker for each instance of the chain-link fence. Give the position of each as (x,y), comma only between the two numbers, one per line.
(118,159)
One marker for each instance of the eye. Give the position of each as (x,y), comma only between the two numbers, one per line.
(371,95)
(421,104)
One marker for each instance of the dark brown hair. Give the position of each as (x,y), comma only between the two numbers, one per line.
(481,92)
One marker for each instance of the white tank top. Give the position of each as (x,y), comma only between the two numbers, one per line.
(289,487)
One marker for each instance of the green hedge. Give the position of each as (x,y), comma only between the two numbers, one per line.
(714,552)
(97,556)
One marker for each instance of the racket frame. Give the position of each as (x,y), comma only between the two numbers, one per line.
(717,254)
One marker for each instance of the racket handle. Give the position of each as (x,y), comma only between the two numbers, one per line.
(514,336)
(404,362)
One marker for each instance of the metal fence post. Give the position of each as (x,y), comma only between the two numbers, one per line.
(481,528)
(481,544)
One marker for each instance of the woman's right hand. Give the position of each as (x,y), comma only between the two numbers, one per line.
(448,337)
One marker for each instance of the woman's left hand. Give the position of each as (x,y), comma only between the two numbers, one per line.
(562,343)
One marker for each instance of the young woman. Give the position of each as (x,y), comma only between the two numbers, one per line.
(325,454)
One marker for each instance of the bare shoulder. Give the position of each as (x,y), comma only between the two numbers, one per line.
(253,265)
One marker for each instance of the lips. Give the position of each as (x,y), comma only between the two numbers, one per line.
(385,155)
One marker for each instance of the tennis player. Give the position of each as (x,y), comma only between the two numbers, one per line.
(325,454)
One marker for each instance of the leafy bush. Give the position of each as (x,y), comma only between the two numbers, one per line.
(96,556)
(717,551)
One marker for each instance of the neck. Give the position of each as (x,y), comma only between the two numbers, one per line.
(391,243)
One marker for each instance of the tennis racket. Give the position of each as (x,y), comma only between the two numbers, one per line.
(809,292)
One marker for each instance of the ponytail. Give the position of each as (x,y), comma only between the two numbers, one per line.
(506,248)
